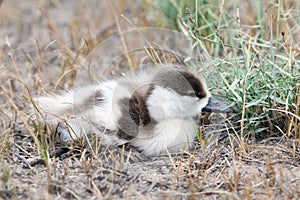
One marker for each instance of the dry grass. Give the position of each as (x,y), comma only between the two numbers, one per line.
(44,45)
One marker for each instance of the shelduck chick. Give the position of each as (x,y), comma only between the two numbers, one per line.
(152,110)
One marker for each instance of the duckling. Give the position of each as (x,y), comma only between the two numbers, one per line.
(153,110)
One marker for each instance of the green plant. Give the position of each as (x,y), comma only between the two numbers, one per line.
(258,71)
(5,175)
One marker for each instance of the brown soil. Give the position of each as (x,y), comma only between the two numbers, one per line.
(43,46)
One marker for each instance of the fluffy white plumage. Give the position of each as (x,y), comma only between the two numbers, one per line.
(152,110)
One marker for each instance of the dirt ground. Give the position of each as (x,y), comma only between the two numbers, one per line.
(46,46)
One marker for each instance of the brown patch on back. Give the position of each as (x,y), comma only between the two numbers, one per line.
(138,111)
(135,114)
(96,99)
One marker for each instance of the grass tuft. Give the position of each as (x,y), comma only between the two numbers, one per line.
(258,70)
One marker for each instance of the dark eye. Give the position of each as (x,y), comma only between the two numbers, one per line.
(191,94)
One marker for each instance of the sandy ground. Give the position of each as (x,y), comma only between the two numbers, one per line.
(46,46)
